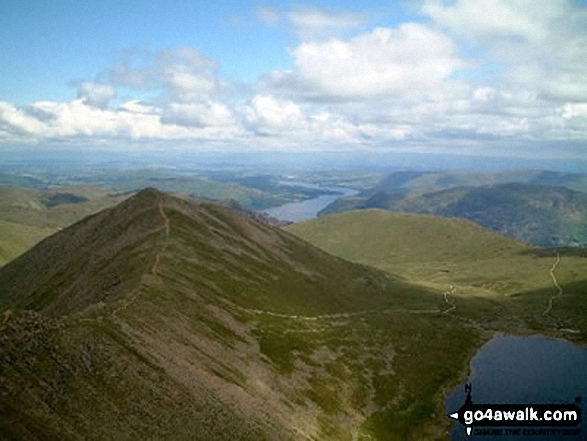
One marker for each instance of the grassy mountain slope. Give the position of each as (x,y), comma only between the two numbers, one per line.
(17,238)
(55,208)
(28,215)
(420,182)
(160,319)
(542,215)
(463,259)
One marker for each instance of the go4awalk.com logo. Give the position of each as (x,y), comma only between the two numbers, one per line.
(518,419)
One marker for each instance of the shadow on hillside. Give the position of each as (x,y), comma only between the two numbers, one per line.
(552,252)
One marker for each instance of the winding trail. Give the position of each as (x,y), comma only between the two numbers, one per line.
(343,315)
(451,305)
(154,270)
(340,314)
(167,227)
(555,283)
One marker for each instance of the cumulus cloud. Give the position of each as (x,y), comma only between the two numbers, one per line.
(136,106)
(572,110)
(97,95)
(270,113)
(183,74)
(385,62)
(75,120)
(543,43)
(428,84)
(210,114)
(494,19)
(16,123)
(311,23)
(188,75)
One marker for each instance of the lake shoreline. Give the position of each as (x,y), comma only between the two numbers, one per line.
(474,370)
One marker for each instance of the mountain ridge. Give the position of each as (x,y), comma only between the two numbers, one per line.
(221,327)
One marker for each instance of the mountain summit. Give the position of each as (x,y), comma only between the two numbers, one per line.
(162,319)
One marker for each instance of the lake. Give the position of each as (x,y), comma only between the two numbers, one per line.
(308,209)
(525,369)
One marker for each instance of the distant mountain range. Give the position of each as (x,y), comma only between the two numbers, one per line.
(418,182)
(539,214)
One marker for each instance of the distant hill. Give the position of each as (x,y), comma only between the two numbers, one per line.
(27,215)
(419,182)
(463,259)
(537,214)
(160,319)
(16,238)
(426,248)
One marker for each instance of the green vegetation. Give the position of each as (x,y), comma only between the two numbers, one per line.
(420,182)
(254,192)
(29,215)
(231,314)
(495,283)
(162,319)
(17,238)
(55,208)
(500,281)
(538,214)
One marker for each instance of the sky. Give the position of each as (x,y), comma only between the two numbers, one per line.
(505,78)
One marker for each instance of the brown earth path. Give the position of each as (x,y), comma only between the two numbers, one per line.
(555,283)
(154,270)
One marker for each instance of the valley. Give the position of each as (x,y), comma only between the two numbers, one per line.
(204,301)
(215,307)
(292,221)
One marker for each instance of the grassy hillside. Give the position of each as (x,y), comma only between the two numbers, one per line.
(464,259)
(420,182)
(16,238)
(55,208)
(537,214)
(164,320)
(28,215)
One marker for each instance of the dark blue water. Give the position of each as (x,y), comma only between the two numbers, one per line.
(308,209)
(530,369)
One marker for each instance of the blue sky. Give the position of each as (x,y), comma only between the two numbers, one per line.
(490,77)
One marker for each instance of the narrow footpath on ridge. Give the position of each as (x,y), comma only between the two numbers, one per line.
(155,268)
(556,285)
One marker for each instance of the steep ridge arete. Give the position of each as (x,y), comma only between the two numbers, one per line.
(164,320)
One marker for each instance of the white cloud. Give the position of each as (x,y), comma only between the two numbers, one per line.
(183,74)
(210,114)
(188,75)
(494,18)
(483,94)
(542,43)
(15,123)
(136,106)
(97,95)
(75,119)
(311,23)
(412,59)
(409,85)
(572,110)
(270,113)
